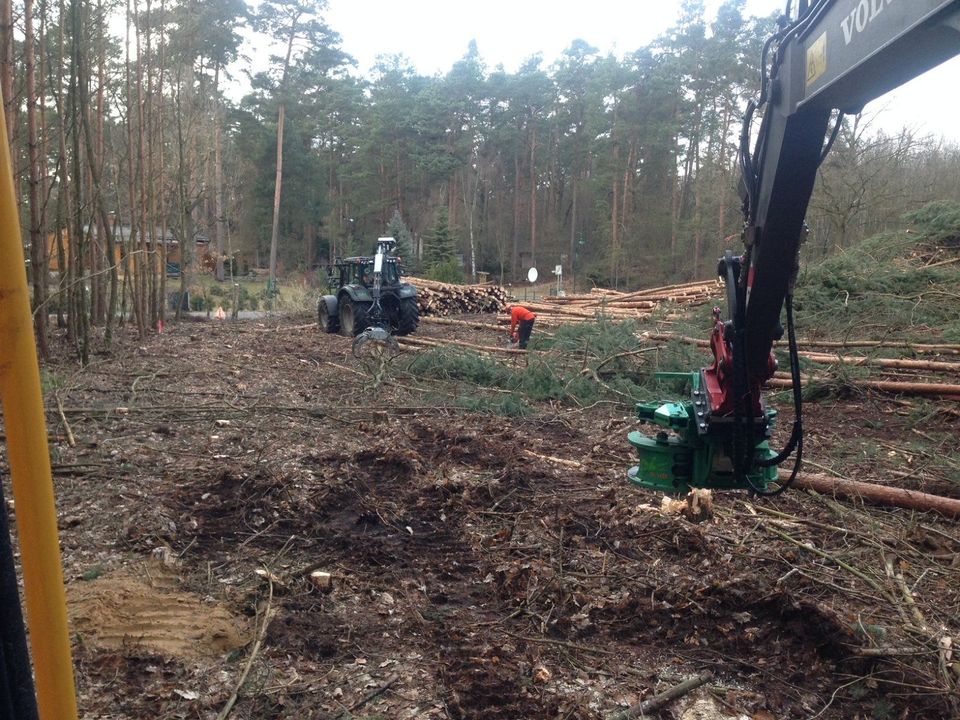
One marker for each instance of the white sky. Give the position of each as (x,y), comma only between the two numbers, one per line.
(434,34)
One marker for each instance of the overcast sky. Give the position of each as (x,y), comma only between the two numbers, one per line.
(434,34)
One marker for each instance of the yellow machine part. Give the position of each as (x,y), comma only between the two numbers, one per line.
(29,458)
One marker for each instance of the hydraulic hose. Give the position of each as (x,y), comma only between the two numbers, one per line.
(795,443)
(29,458)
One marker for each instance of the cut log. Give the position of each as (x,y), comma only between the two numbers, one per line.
(461,323)
(913,347)
(945,390)
(824,358)
(883,344)
(434,343)
(876,494)
(674,337)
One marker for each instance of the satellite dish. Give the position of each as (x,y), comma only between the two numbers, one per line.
(532,275)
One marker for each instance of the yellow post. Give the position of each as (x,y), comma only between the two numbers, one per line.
(29,458)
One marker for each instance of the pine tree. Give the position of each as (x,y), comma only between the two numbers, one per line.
(399,231)
(441,251)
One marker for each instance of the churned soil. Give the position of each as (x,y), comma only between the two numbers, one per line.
(482,566)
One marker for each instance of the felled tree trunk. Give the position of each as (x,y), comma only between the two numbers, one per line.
(877,494)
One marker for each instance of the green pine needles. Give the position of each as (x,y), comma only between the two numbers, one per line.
(900,285)
(441,256)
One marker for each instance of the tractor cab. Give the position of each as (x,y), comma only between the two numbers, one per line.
(360,271)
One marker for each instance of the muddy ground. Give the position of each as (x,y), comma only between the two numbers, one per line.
(482,566)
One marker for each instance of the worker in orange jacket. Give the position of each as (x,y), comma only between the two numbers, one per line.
(521,324)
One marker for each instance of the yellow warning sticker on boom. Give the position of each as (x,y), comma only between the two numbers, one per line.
(816,59)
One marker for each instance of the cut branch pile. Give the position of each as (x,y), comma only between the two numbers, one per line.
(439,298)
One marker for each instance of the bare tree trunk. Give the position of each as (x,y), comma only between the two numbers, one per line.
(161,201)
(625,195)
(125,261)
(573,230)
(499,222)
(533,196)
(101,253)
(64,273)
(78,111)
(7,69)
(218,175)
(37,242)
(106,223)
(470,211)
(399,182)
(44,180)
(515,262)
(146,233)
(275,228)
(149,184)
(186,226)
(94,163)
(674,216)
(64,314)
(724,171)
(697,231)
(186,242)
(97,264)
(614,211)
(134,260)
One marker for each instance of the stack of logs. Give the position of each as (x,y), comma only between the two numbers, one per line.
(616,305)
(438,298)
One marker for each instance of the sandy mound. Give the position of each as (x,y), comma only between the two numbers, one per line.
(121,609)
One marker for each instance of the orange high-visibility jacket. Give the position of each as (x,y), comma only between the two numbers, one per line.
(519,314)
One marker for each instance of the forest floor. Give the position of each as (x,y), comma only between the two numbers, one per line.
(488,558)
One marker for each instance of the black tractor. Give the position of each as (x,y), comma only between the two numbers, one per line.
(369,292)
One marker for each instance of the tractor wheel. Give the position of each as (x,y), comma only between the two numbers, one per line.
(409,316)
(328,323)
(353,317)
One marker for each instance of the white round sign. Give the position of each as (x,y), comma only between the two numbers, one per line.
(532,274)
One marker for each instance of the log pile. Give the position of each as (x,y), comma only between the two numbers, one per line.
(439,298)
(616,305)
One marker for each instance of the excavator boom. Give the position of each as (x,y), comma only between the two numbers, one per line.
(828,59)
(837,55)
